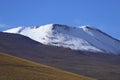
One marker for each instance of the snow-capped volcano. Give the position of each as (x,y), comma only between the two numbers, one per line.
(82,38)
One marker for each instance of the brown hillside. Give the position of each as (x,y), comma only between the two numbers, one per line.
(13,68)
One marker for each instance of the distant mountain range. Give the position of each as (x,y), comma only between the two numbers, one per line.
(83,38)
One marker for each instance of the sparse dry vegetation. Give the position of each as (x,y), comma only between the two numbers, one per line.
(13,68)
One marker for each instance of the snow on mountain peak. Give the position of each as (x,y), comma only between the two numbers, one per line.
(84,38)
(88,27)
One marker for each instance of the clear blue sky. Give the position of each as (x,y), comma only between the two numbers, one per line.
(103,14)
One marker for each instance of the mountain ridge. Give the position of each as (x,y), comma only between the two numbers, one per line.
(83,38)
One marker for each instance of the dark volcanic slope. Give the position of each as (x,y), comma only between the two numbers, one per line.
(100,66)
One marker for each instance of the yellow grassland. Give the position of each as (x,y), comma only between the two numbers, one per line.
(14,68)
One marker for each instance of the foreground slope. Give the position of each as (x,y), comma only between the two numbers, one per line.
(83,38)
(97,65)
(13,68)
